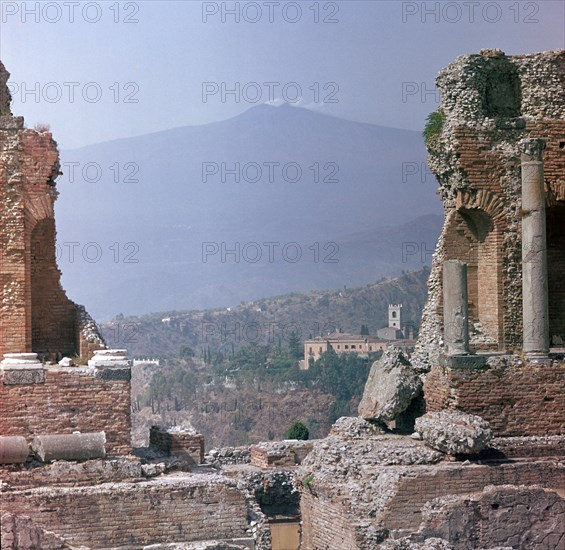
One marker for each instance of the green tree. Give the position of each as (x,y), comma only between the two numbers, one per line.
(297,431)
(186,351)
(364,330)
(294,346)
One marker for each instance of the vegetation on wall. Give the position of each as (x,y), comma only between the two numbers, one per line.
(433,128)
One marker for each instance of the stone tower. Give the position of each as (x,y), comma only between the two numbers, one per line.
(395,316)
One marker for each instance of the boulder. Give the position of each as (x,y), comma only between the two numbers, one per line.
(390,388)
(454,432)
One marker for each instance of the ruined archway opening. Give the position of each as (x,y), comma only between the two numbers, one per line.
(556,273)
(476,240)
(53,330)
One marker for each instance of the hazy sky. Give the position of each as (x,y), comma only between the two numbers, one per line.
(370,61)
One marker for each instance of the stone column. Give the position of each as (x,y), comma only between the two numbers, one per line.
(534,251)
(13,449)
(455,307)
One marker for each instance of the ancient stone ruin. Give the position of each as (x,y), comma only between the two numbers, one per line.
(36,314)
(490,346)
(459,448)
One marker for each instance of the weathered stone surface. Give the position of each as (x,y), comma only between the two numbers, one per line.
(5,97)
(22,368)
(206,545)
(22,376)
(66,362)
(285,453)
(391,386)
(178,441)
(76,446)
(506,516)
(227,456)
(180,508)
(348,427)
(70,473)
(454,432)
(113,373)
(407,544)
(20,532)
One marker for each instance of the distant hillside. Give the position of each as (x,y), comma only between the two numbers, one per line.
(269,320)
(351,195)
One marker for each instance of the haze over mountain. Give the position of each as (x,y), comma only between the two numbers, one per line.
(344,192)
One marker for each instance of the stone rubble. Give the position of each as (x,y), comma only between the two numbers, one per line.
(454,432)
(348,427)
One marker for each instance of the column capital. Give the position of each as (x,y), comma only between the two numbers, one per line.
(532,148)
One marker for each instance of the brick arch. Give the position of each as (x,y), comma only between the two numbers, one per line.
(475,237)
(53,318)
(37,208)
(485,201)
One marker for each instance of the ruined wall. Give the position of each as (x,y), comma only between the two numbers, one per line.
(489,103)
(420,485)
(358,491)
(20,532)
(325,523)
(70,399)
(508,516)
(174,509)
(35,313)
(70,473)
(176,442)
(517,399)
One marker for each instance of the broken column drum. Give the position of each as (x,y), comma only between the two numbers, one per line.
(13,449)
(534,250)
(455,307)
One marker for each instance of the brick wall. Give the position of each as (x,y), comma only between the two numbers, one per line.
(178,443)
(35,313)
(135,514)
(53,316)
(285,453)
(263,458)
(427,483)
(69,400)
(507,516)
(69,473)
(517,401)
(325,524)
(495,297)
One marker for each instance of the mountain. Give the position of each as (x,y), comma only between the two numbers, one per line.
(321,202)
